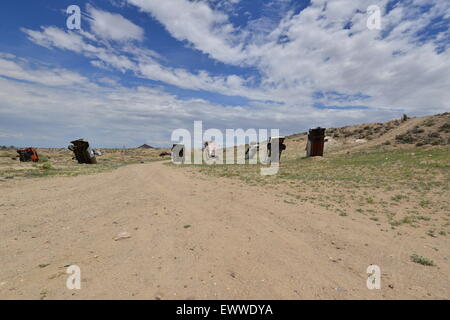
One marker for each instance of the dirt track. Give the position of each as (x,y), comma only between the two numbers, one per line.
(195,238)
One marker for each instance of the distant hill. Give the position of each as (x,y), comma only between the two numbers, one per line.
(146,146)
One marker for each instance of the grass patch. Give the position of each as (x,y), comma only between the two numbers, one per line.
(378,167)
(398,197)
(47,166)
(359,177)
(48,170)
(431,233)
(405,220)
(422,260)
(5,155)
(425,203)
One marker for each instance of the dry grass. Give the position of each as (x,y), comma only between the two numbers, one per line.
(396,186)
(59,162)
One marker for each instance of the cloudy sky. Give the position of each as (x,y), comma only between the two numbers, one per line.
(138,69)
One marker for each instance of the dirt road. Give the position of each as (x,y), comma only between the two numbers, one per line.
(193,237)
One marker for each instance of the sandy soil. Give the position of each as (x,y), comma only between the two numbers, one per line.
(194,237)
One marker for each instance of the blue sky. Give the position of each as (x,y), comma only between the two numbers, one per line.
(139,69)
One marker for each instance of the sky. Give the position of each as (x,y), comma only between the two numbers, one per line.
(136,70)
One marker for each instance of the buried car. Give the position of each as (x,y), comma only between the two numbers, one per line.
(273,156)
(28,154)
(83,153)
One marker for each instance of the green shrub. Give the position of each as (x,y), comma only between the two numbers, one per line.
(417,130)
(428,123)
(425,203)
(47,166)
(422,260)
(347,134)
(434,135)
(398,197)
(405,138)
(436,142)
(445,127)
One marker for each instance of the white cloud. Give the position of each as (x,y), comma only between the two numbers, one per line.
(142,62)
(49,77)
(80,43)
(108,81)
(55,37)
(111,26)
(388,71)
(10,135)
(131,116)
(196,22)
(320,55)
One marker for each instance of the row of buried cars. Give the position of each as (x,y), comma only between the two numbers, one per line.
(85,154)
(314,147)
(81,149)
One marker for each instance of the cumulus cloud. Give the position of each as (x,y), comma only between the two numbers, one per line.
(323,55)
(110,114)
(117,116)
(45,76)
(142,62)
(394,71)
(196,22)
(112,26)
(326,47)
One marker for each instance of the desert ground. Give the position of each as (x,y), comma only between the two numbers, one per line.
(379,196)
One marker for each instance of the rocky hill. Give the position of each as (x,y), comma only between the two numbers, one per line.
(418,131)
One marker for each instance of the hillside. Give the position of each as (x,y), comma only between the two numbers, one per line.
(410,132)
